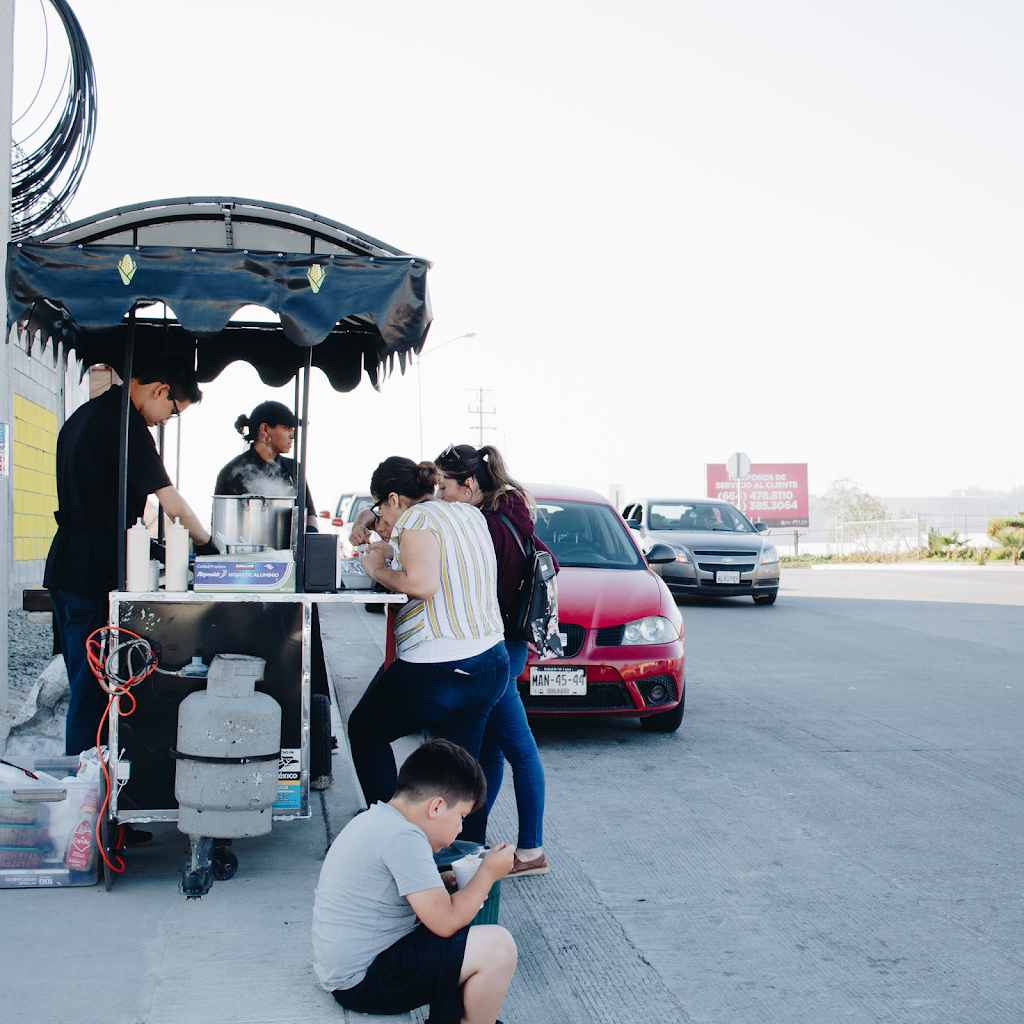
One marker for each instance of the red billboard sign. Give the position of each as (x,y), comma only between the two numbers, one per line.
(774,493)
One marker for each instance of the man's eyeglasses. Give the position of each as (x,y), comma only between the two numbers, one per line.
(177,411)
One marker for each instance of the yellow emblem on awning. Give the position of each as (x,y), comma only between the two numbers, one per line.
(316,275)
(126,268)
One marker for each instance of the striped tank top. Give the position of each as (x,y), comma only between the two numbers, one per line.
(463,618)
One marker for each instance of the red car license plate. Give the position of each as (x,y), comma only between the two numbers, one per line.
(558,682)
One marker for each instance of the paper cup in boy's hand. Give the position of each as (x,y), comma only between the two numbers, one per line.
(465,868)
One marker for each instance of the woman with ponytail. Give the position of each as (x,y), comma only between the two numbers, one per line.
(263,468)
(451,666)
(480,478)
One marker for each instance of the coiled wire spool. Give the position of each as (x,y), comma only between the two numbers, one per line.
(45,181)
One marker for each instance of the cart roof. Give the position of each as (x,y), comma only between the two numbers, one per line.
(356,301)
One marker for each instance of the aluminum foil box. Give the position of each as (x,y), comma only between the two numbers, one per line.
(270,572)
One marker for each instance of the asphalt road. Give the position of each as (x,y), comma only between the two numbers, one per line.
(835,833)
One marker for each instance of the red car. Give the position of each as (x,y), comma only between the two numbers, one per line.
(622,633)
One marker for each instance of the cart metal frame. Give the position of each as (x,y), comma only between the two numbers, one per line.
(344,301)
(120,768)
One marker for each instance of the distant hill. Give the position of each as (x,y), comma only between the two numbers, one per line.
(959,503)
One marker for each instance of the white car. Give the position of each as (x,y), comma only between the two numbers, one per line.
(348,507)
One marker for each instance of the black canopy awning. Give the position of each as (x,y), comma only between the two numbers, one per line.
(344,301)
(356,312)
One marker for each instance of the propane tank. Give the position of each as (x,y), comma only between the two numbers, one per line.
(229,745)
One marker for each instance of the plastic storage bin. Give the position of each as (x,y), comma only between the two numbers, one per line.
(47,825)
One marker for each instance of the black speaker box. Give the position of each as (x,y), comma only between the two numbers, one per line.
(321,563)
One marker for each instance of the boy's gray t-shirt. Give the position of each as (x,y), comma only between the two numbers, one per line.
(360,907)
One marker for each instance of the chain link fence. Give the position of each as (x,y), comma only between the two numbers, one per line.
(882,537)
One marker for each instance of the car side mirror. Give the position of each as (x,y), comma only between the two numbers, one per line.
(661,553)
(760,527)
(633,524)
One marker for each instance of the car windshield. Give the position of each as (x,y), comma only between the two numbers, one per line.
(360,502)
(677,515)
(584,534)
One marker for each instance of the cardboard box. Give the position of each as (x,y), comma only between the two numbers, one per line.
(271,572)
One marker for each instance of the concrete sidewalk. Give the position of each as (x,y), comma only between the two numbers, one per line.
(577,964)
(142,953)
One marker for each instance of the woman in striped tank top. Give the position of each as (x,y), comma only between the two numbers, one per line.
(452,666)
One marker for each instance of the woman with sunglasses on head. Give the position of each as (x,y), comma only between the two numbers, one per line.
(451,666)
(481,478)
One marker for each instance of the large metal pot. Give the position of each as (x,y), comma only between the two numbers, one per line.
(254,519)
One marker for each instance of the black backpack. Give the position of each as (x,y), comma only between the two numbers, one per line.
(535,617)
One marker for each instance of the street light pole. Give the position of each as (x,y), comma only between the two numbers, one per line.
(419,380)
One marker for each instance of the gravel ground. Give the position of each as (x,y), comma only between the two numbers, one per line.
(29,651)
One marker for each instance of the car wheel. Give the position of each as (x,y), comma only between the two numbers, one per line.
(667,721)
(765,599)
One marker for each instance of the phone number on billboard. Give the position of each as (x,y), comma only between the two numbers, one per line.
(770,495)
(765,506)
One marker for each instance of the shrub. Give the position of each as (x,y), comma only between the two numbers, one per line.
(1008,532)
(948,544)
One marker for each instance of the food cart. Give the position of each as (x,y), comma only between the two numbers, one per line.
(172,276)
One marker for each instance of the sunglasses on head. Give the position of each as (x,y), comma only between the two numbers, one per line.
(450,451)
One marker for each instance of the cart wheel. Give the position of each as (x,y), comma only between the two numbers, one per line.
(225,864)
(320,760)
(196,883)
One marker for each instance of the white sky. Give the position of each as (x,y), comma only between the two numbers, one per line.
(678,229)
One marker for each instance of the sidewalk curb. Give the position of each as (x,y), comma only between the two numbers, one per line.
(907,567)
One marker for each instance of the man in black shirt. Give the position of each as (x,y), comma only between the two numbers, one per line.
(81,568)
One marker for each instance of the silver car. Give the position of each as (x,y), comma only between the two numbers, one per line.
(719,551)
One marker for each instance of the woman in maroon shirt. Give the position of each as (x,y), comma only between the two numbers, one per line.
(480,477)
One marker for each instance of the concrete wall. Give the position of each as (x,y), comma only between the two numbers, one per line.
(6,495)
(36,396)
(42,395)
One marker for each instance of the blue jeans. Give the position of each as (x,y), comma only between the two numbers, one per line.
(75,616)
(452,699)
(508,735)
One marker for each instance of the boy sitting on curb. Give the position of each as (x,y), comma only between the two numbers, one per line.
(387,936)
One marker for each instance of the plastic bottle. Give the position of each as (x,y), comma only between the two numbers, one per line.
(138,558)
(81,845)
(176,557)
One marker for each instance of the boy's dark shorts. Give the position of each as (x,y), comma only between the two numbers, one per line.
(418,969)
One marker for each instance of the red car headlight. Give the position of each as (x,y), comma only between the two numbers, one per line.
(655,629)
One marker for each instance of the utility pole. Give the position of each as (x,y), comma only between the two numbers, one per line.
(481,412)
